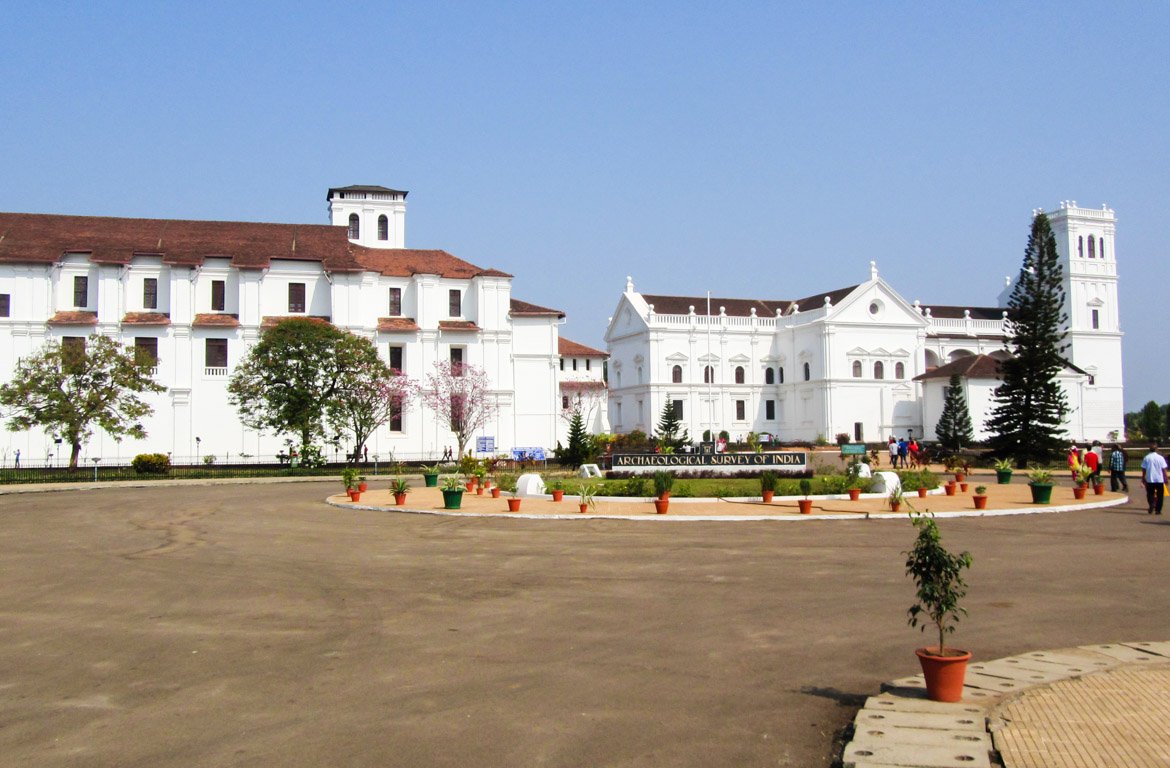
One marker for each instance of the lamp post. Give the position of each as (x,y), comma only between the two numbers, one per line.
(198,440)
(95,461)
(375,464)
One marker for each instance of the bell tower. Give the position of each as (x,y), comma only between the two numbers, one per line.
(375,216)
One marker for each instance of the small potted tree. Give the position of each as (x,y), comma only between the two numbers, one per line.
(805,504)
(349,478)
(452,492)
(399,488)
(926,479)
(980,497)
(853,480)
(938,579)
(663,482)
(556,487)
(480,475)
(1040,483)
(1003,471)
(896,499)
(430,475)
(767,485)
(507,483)
(588,491)
(1084,474)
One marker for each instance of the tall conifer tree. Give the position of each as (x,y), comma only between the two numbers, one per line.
(577,451)
(954,425)
(668,429)
(1027,420)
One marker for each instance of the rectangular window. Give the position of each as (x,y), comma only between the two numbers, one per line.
(562,363)
(146,350)
(150,293)
(73,343)
(1096,319)
(296,297)
(395,302)
(677,408)
(80,291)
(217,295)
(564,402)
(858,432)
(5,305)
(396,420)
(574,363)
(454,302)
(740,410)
(586,363)
(457,361)
(216,353)
(770,410)
(396,358)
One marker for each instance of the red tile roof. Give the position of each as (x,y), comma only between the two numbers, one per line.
(146,318)
(568,348)
(582,386)
(681,305)
(397,325)
(269,321)
(73,318)
(216,321)
(524,309)
(969,367)
(38,238)
(457,325)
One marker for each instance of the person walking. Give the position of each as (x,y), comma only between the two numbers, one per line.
(1117,462)
(1153,477)
(1074,463)
(893,452)
(1091,462)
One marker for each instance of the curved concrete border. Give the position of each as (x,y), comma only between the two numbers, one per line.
(724,518)
(901,727)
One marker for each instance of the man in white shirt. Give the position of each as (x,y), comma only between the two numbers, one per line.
(1153,477)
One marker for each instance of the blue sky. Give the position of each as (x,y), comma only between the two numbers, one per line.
(752,149)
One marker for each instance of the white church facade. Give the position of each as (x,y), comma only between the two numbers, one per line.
(858,360)
(198,294)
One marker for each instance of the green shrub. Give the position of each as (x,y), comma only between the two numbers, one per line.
(151,464)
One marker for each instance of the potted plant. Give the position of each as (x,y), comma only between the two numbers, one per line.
(767,485)
(588,491)
(805,504)
(349,478)
(1003,471)
(507,483)
(430,475)
(938,578)
(1040,483)
(480,475)
(663,482)
(557,488)
(896,499)
(363,486)
(1082,486)
(399,488)
(853,480)
(950,487)
(954,464)
(980,497)
(452,492)
(925,479)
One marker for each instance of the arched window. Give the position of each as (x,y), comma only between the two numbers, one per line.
(807,372)
(780,374)
(857,369)
(769,376)
(708,375)
(739,374)
(1081,246)
(383,227)
(355,229)
(899,371)
(676,374)
(879,370)
(1102,248)
(1092,248)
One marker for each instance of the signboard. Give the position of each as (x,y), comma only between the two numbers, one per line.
(528,454)
(485,445)
(792,461)
(853,449)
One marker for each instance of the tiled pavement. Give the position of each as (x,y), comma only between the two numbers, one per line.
(1096,705)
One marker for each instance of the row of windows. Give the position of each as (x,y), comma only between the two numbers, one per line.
(588,364)
(1093,244)
(740,409)
(771,375)
(355,227)
(879,370)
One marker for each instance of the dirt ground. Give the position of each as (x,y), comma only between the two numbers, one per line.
(254,625)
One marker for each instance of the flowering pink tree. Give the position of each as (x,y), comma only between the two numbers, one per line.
(460,396)
(369,402)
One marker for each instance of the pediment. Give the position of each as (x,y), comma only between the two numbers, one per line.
(709,358)
(677,357)
(740,358)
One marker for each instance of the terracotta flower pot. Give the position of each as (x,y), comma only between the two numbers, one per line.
(479,490)
(495,493)
(400,499)
(1079,492)
(959,477)
(950,488)
(558,495)
(363,487)
(963,487)
(980,502)
(805,506)
(661,505)
(582,508)
(354,494)
(944,674)
(767,495)
(664,496)
(854,494)
(470,486)
(895,506)
(922,493)
(513,505)
(1099,489)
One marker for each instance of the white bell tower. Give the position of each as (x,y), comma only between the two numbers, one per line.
(375,216)
(1085,239)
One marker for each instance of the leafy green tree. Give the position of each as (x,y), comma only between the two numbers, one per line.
(1027,420)
(669,427)
(1152,420)
(70,389)
(954,425)
(578,450)
(295,372)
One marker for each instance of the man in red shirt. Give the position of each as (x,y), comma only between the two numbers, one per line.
(1093,462)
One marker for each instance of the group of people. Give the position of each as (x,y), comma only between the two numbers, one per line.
(905,453)
(1092,458)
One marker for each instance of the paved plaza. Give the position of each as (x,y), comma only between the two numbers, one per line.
(254,625)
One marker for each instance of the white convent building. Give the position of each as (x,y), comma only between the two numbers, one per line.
(198,294)
(859,360)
